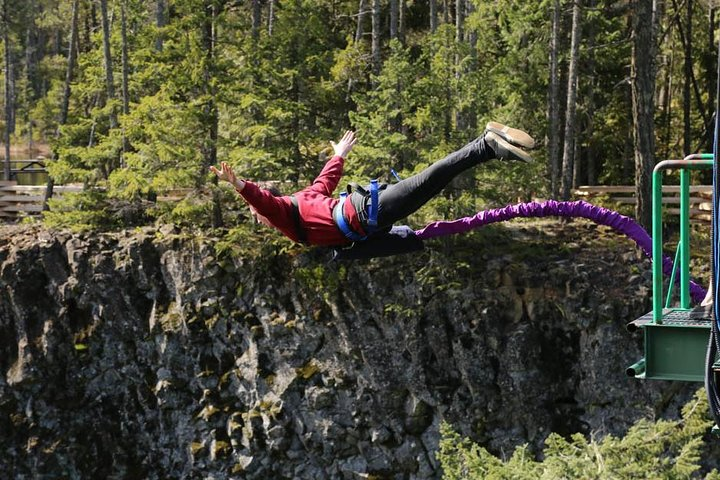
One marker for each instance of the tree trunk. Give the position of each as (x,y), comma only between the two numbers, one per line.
(109,83)
(31,55)
(376,59)
(471,35)
(125,75)
(31,88)
(72,55)
(569,146)
(459,18)
(592,166)
(13,94)
(578,172)
(256,19)
(664,103)
(471,38)
(433,16)
(360,18)
(93,16)
(11,67)
(87,29)
(628,158)
(554,105)
(124,59)
(643,90)
(210,114)
(590,170)
(393,19)
(29,93)
(65,104)
(42,81)
(271,16)
(402,21)
(8,97)
(690,78)
(160,22)
(358,37)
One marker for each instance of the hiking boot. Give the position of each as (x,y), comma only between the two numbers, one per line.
(513,136)
(504,150)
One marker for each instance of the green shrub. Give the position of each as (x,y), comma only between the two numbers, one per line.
(82,211)
(663,449)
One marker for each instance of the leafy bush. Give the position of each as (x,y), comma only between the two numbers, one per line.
(662,449)
(79,212)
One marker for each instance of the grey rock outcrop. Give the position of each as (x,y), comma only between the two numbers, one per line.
(147,354)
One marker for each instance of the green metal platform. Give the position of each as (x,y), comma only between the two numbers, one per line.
(676,336)
(674,349)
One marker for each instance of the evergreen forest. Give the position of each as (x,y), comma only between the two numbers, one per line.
(136,98)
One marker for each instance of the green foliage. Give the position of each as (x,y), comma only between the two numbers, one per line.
(234,240)
(190,211)
(270,102)
(165,148)
(379,147)
(319,279)
(247,240)
(662,449)
(80,212)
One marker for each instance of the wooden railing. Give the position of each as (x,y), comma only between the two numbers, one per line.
(21,200)
(31,165)
(17,201)
(700,198)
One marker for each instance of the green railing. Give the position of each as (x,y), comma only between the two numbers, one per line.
(691,162)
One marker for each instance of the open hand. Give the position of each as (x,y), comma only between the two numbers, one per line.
(226,173)
(345,145)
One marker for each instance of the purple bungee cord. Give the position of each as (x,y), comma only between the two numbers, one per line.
(553,208)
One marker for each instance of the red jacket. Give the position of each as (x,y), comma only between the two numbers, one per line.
(315,204)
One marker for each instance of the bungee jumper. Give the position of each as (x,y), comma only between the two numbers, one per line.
(360,224)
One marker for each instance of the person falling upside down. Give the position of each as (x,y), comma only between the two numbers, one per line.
(364,219)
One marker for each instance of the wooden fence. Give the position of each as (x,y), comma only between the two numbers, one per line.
(21,200)
(700,198)
(17,201)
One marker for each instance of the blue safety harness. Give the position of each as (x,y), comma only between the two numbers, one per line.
(339,217)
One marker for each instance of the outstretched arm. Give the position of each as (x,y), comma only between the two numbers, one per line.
(263,203)
(327,180)
(226,173)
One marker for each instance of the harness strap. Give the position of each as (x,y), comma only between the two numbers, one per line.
(339,218)
(301,234)
(373,214)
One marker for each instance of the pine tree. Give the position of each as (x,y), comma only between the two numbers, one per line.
(661,449)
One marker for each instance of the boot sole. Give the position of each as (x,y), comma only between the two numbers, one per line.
(518,153)
(513,135)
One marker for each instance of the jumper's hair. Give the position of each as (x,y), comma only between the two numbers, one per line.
(271,187)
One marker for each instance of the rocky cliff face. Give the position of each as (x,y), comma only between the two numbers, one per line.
(147,354)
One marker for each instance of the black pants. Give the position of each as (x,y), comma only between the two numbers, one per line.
(399,200)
